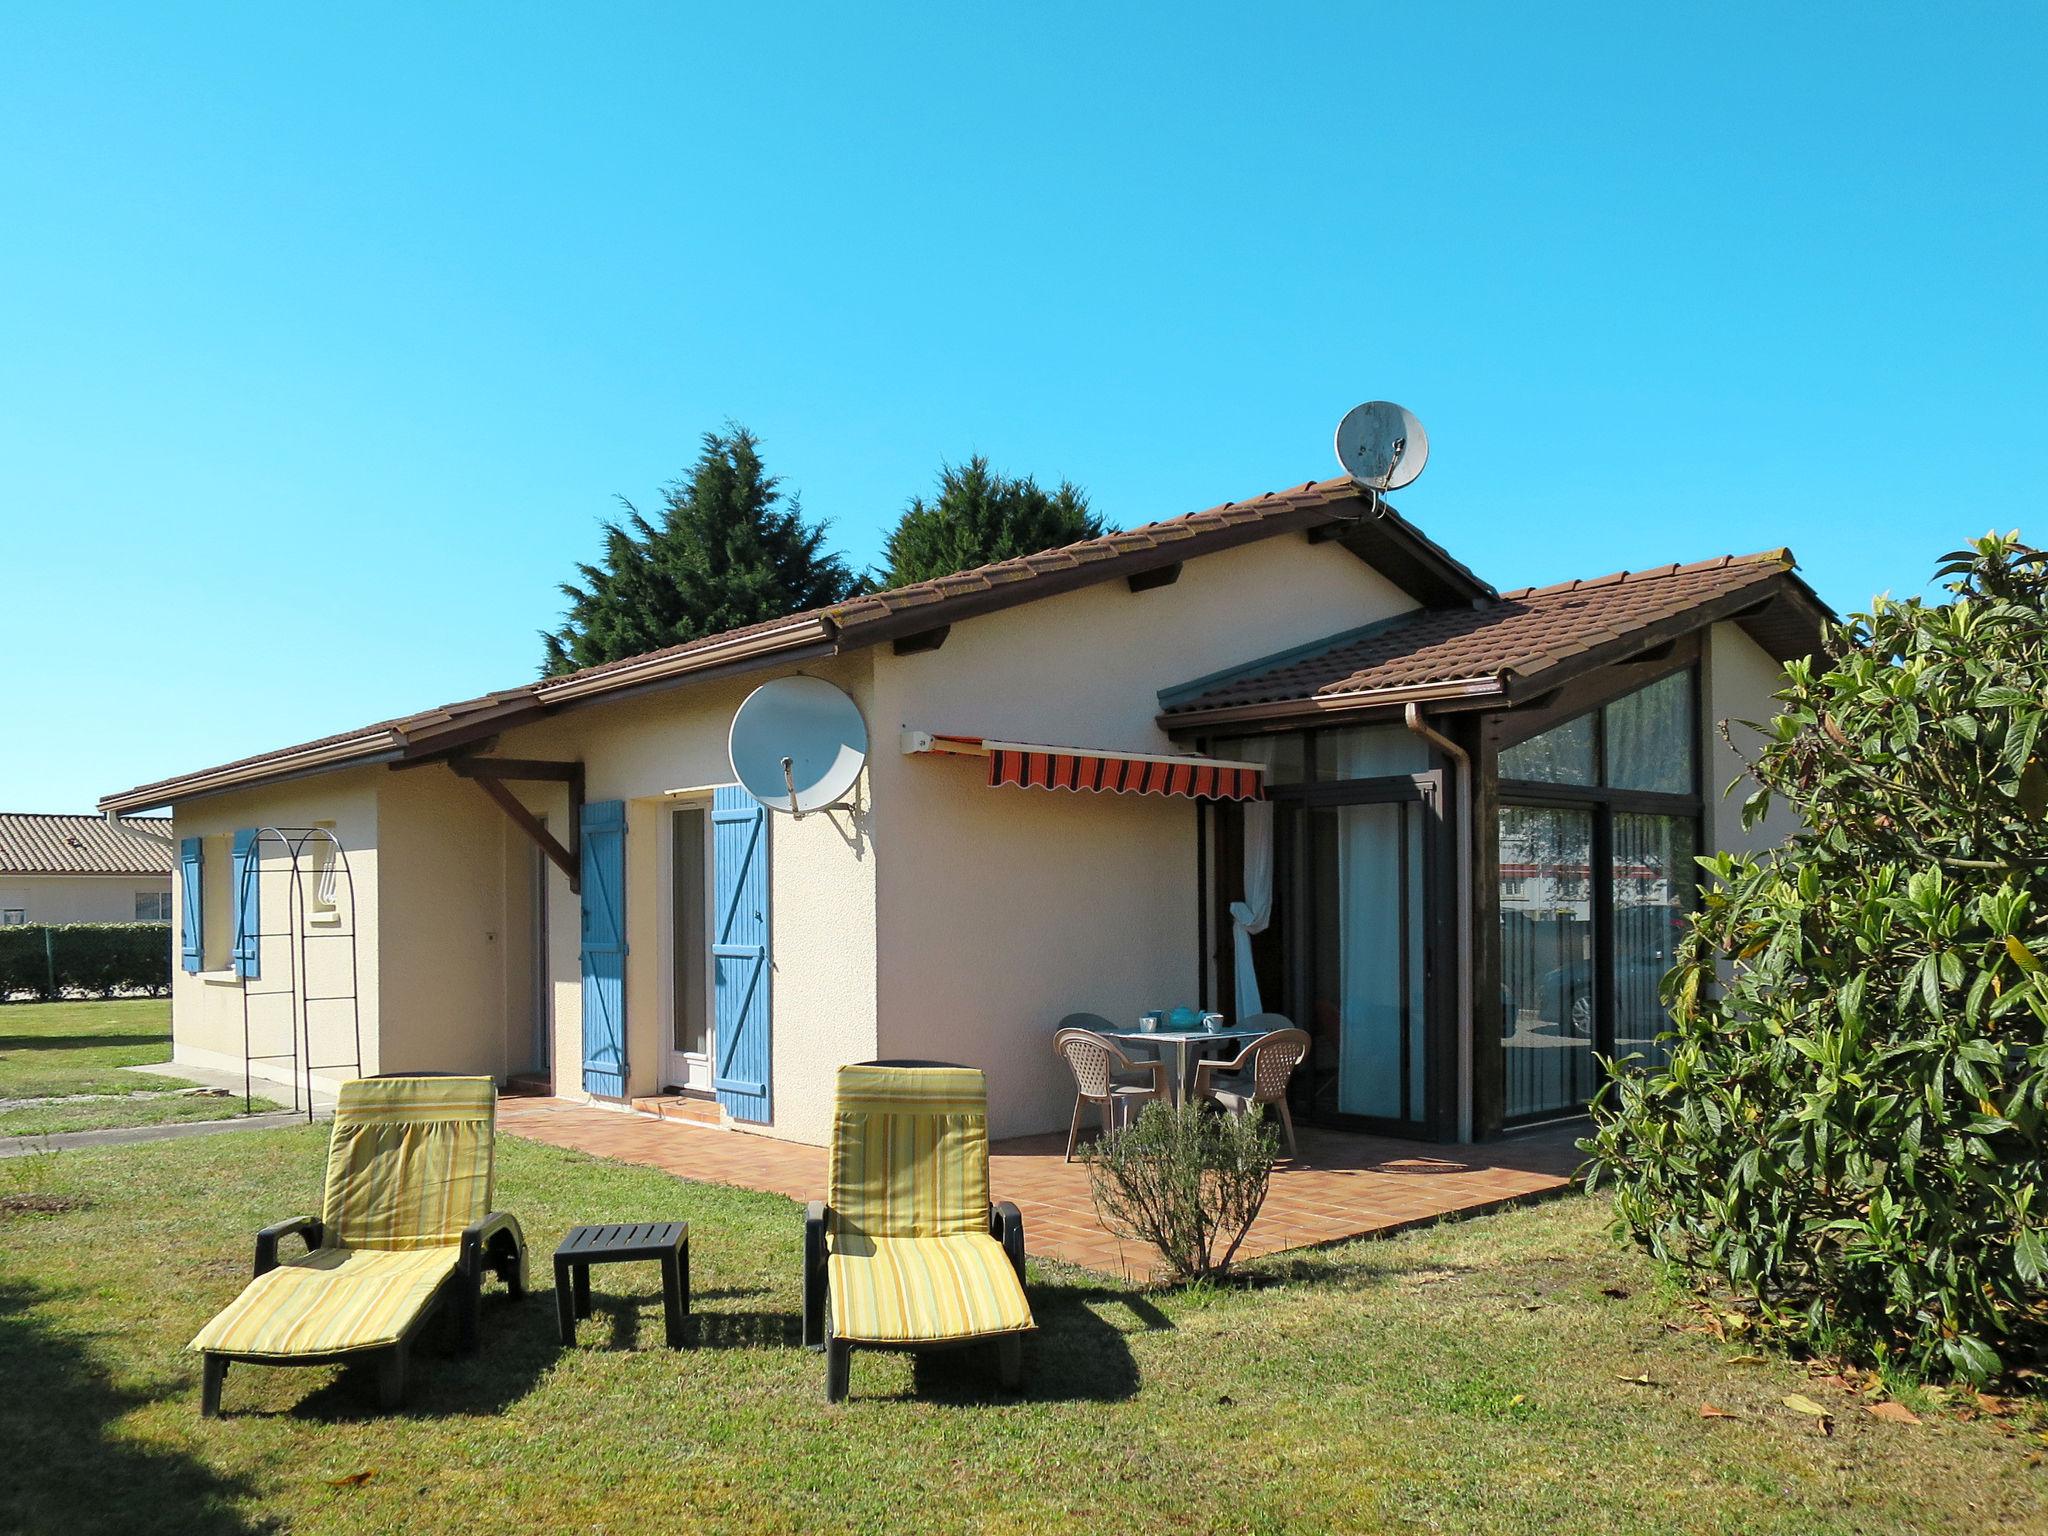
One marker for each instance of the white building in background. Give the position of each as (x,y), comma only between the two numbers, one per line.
(84,869)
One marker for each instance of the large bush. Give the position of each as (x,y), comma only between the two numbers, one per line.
(91,959)
(1185,1179)
(1850,1129)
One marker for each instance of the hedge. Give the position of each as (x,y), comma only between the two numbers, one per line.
(50,960)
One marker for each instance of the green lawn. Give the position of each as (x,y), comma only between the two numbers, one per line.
(55,1050)
(1477,1377)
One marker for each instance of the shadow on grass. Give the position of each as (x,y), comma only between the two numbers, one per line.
(77,1042)
(65,1468)
(518,1346)
(1079,1354)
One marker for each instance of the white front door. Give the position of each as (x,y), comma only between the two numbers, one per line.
(687,961)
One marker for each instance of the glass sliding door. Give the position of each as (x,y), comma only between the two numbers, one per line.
(1547,919)
(1348,951)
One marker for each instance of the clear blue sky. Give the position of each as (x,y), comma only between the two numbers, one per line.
(328,333)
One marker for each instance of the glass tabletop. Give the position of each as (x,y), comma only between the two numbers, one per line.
(1181,1036)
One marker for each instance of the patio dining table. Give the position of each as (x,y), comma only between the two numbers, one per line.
(1182,1043)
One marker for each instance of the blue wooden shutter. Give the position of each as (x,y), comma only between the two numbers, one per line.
(604,948)
(244,878)
(740,953)
(191,886)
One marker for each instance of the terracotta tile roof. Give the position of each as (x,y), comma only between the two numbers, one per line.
(32,844)
(872,617)
(1527,633)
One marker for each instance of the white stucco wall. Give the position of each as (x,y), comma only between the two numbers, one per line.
(1740,678)
(207,1009)
(442,892)
(76,898)
(1003,910)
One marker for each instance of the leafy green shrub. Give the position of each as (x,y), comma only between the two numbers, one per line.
(1185,1179)
(95,959)
(1850,1128)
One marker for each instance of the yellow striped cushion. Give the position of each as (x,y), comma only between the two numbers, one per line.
(907,1290)
(329,1302)
(909,1151)
(409,1165)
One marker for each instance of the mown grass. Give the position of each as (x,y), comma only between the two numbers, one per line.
(51,1050)
(1462,1379)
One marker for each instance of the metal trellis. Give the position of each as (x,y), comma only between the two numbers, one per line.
(335,895)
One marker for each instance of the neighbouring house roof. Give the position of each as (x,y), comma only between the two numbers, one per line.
(36,844)
(1525,643)
(1335,509)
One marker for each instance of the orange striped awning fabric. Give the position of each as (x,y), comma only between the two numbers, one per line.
(1031,766)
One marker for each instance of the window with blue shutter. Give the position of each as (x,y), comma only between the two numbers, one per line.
(244,879)
(741,959)
(603,831)
(191,903)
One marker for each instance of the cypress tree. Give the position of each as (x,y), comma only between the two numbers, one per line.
(978,517)
(726,550)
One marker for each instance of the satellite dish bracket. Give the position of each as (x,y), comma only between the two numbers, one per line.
(798,814)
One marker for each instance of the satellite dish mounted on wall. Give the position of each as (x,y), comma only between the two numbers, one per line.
(797,745)
(1381,445)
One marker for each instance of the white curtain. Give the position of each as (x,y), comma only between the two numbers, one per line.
(1251,915)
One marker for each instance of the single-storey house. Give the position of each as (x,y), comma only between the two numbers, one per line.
(84,869)
(1285,754)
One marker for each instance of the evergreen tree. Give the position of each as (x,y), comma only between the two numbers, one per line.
(725,551)
(979,517)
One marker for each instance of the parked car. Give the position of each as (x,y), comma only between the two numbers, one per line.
(1646,946)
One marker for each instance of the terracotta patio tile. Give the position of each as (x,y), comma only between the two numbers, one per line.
(1343,1186)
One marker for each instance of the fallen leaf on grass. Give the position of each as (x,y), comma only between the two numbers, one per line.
(1892,1413)
(1638,1381)
(1800,1403)
(1709,1411)
(353,1480)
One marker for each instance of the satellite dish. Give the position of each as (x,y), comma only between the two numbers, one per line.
(798,744)
(1381,445)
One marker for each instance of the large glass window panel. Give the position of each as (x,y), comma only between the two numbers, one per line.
(1561,755)
(1650,737)
(1370,752)
(1546,919)
(1655,885)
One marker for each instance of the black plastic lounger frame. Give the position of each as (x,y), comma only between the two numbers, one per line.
(493,1245)
(1005,1225)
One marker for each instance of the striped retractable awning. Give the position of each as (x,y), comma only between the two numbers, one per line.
(1029,765)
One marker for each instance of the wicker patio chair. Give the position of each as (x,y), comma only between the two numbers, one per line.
(908,1253)
(406,1224)
(1257,1075)
(1097,1062)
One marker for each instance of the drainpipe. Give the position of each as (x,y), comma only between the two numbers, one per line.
(1461,760)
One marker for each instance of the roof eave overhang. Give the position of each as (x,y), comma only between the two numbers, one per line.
(805,640)
(1175,546)
(1385,540)
(369,747)
(1320,709)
